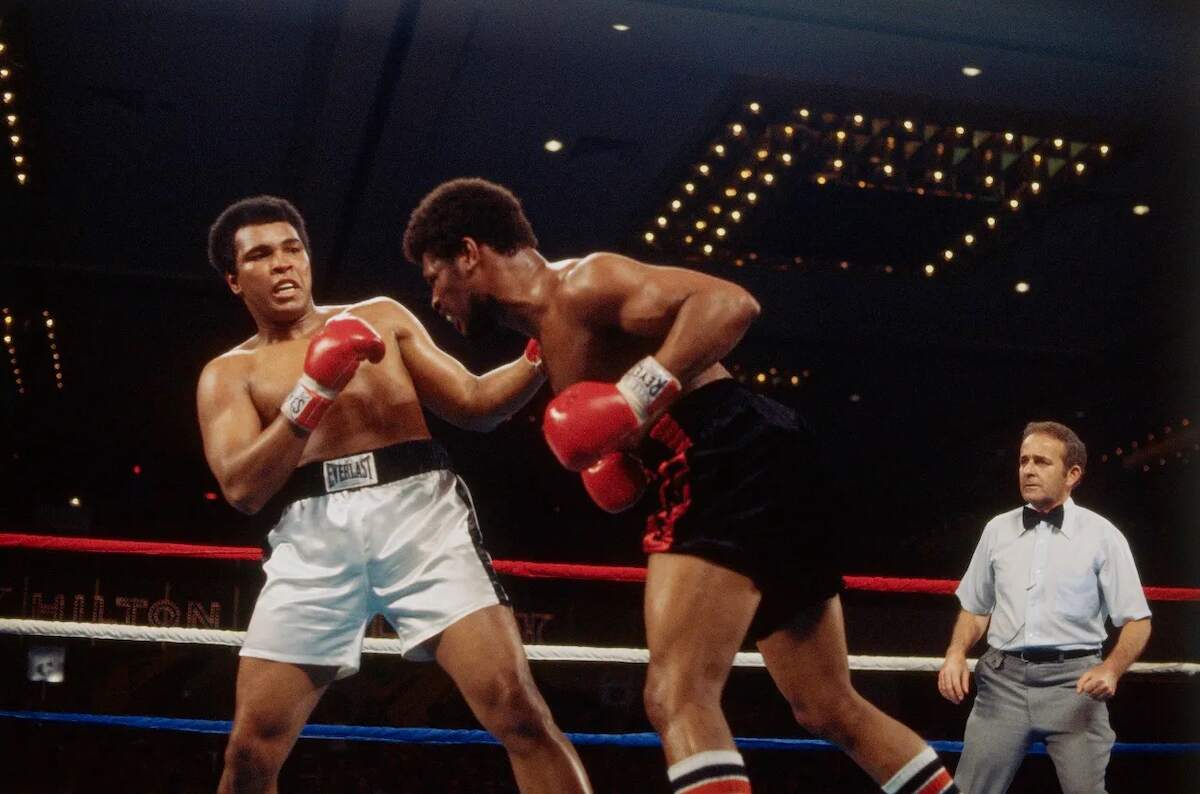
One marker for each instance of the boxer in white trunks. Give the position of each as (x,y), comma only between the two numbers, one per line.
(319,416)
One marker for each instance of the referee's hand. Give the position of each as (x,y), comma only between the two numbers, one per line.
(1098,683)
(954,679)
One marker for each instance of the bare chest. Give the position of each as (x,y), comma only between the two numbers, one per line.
(574,352)
(378,395)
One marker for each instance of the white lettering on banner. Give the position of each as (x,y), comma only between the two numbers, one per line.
(44,611)
(132,605)
(163,612)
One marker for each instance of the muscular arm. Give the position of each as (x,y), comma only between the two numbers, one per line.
(954,679)
(251,462)
(446,387)
(968,629)
(1130,644)
(700,318)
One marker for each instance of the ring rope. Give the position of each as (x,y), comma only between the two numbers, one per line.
(542,653)
(532,570)
(374,733)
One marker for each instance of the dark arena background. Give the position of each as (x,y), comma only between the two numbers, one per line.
(958,217)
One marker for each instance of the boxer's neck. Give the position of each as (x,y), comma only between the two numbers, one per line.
(521,287)
(305,325)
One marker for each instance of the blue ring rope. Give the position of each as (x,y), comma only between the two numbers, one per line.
(368,733)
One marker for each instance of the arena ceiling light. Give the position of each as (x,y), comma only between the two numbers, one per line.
(1141,209)
(553,145)
(11,346)
(14,119)
(620,27)
(1176,443)
(972,71)
(55,356)
(762,156)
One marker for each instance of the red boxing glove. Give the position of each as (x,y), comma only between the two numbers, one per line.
(589,419)
(332,359)
(615,482)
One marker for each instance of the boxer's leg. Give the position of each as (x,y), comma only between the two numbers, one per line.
(482,652)
(696,617)
(808,661)
(274,700)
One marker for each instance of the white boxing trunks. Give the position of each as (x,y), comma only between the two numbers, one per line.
(389,532)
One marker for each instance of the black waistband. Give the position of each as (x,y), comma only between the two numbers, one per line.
(1043,655)
(708,408)
(362,470)
(699,404)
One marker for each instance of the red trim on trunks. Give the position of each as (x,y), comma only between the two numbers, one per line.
(674,490)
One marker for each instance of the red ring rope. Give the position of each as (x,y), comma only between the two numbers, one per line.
(529,570)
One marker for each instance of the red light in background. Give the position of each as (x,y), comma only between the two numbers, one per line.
(137,469)
(210,496)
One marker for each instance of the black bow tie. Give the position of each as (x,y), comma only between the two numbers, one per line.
(1031,517)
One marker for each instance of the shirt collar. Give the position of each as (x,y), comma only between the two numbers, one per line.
(1067,528)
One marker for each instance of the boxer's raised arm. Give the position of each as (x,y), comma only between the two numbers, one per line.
(250,462)
(450,390)
(700,318)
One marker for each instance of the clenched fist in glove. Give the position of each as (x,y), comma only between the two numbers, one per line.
(332,359)
(615,482)
(588,420)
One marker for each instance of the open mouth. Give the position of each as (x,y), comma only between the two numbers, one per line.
(285,288)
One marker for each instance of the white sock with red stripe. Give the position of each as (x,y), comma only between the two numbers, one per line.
(924,774)
(710,772)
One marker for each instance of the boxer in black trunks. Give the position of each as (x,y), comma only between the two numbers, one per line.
(737,545)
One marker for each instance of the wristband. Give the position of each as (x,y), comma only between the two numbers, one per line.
(307,403)
(649,388)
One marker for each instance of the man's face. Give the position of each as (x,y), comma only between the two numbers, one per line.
(273,274)
(1044,478)
(454,297)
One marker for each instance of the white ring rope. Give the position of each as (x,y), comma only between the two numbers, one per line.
(543,653)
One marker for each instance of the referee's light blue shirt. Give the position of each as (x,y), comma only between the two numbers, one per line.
(1052,588)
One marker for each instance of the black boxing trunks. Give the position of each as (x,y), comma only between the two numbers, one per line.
(739,485)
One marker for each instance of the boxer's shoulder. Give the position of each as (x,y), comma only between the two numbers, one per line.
(237,358)
(386,315)
(592,269)
(589,280)
(226,371)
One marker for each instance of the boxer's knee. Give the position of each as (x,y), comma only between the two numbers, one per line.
(836,713)
(514,712)
(255,753)
(672,695)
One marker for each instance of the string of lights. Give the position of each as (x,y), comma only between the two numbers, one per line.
(770,377)
(12,119)
(10,344)
(1177,444)
(752,158)
(55,358)
(15,330)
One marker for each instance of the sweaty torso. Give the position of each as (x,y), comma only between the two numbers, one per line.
(378,407)
(576,348)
